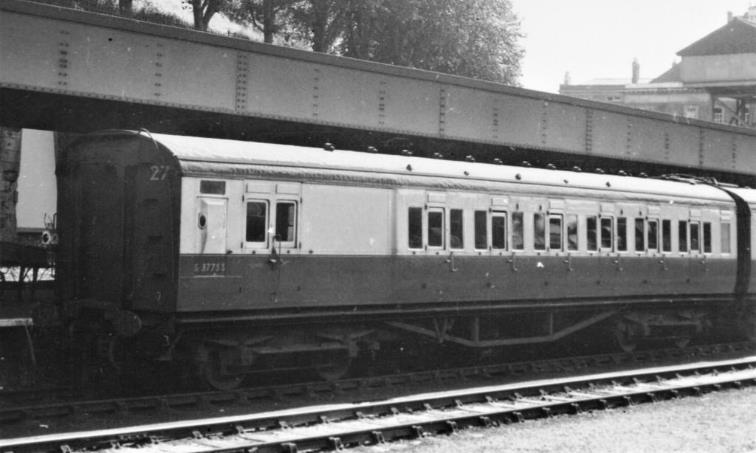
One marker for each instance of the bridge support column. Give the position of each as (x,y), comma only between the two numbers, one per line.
(10,158)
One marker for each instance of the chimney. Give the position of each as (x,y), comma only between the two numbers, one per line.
(567,78)
(729,16)
(636,71)
(751,14)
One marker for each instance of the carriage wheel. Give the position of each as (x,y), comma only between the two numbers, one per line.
(212,370)
(748,324)
(335,366)
(682,342)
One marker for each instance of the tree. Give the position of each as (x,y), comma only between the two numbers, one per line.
(204,10)
(473,38)
(126,7)
(320,21)
(271,17)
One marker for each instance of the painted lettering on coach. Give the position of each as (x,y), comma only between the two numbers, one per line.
(209,267)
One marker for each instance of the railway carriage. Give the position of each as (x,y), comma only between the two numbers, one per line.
(246,256)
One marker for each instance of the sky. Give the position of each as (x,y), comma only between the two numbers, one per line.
(598,39)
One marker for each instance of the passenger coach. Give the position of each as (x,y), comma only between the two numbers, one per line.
(242,257)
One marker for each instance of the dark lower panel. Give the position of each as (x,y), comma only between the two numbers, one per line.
(230,283)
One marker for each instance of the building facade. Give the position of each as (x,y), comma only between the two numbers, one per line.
(715,79)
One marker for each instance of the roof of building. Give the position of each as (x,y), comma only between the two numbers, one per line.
(735,37)
(670,75)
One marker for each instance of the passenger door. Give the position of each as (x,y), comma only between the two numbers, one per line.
(211,223)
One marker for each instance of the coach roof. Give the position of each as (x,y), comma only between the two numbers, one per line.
(221,158)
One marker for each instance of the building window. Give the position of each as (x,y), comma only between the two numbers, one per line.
(691,111)
(718,116)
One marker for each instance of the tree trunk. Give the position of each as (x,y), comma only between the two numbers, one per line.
(126,7)
(268,21)
(320,12)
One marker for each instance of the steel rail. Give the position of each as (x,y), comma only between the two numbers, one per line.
(357,387)
(333,426)
(13,414)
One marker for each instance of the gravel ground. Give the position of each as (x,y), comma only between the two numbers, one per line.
(715,422)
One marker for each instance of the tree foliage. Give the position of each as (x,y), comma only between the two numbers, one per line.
(473,38)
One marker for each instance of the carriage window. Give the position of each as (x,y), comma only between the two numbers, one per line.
(481,230)
(499,230)
(435,228)
(518,241)
(539,232)
(286,220)
(555,232)
(572,232)
(591,232)
(724,235)
(640,240)
(606,233)
(707,237)
(666,238)
(621,234)
(653,234)
(213,187)
(456,239)
(682,234)
(415,228)
(694,236)
(257,221)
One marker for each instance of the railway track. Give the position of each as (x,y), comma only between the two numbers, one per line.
(339,425)
(155,407)
(68,414)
